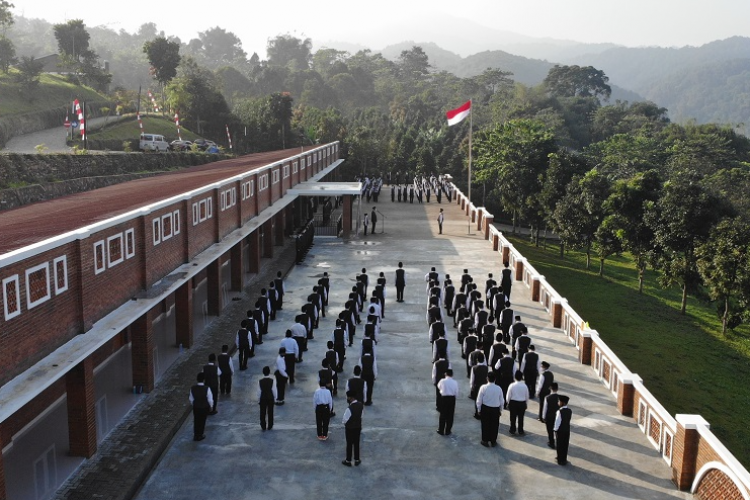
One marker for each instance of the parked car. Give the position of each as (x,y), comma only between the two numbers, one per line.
(180,145)
(153,142)
(205,144)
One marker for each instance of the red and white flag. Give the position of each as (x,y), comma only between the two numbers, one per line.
(457,115)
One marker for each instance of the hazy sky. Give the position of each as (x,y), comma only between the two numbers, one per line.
(627,22)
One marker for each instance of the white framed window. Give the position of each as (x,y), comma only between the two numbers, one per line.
(302,162)
(115,253)
(247,189)
(100,260)
(60,270)
(202,211)
(11,297)
(228,198)
(176,222)
(309,161)
(263,182)
(223,201)
(156,223)
(275,176)
(209,207)
(295,167)
(37,285)
(286,171)
(196,218)
(234,196)
(167,227)
(251,187)
(45,473)
(129,243)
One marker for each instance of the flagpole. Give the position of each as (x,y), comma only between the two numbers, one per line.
(471,126)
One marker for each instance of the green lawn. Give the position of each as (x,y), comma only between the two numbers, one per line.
(685,361)
(54,91)
(152,124)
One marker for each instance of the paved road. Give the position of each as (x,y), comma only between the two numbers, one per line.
(52,138)
(402,456)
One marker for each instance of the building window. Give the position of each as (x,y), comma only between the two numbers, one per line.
(263,182)
(309,161)
(275,176)
(202,211)
(295,167)
(196,218)
(286,171)
(251,188)
(234,196)
(100,263)
(11,291)
(114,250)
(45,473)
(176,222)
(156,230)
(247,189)
(166,227)
(60,267)
(129,243)
(37,285)
(209,207)
(223,201)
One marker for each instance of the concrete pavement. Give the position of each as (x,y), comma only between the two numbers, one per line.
(402,456)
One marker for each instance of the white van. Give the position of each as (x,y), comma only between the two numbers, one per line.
(153,142)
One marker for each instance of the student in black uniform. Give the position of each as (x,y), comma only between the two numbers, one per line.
(353,428)
(562,430)
(266,398)
(227,370)
(212,373)
(202,400)
(400,282)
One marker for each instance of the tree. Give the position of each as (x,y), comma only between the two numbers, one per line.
(7,54)
(72,39)
(164,57)
(681,220)
(575,81)
(289,52)
(413,64)
(627,205)
(27,77)
(724,265)
(221,48)
(6,16)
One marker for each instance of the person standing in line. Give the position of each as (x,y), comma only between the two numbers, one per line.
(281,376)
(400,282)
(374,219)
(562,430)
(518,397)
(266,398)
(212,374)
(544,387)
(448,388)
(365,222)
(356,384)
(227,371)
(530,367)
(201,399)
(505,370)
(440,219)
(279,282)
(291,354)
(353,428)
(551,405)
(273,298)
(506,281)
(323,405)
(299,334)
(244,343)
(489,403)
(439,368)
(369,374)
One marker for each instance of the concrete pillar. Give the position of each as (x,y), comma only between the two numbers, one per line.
(254,251)
(495,242)
(142,338)
(489,219)
(519,269)
(478,218)
(536,288)
(626,396)
(585,345)
(685,450)
(557,312)
(213,283)
(468,210)
(347,215)
(183,306)
(238,267)
(79,385)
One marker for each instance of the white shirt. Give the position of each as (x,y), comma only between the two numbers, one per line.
(281,366)
(298,330)
(322,396)
(290,345)
(490,394)
(517,391)
(448,387)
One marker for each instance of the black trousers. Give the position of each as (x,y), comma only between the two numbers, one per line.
(542,396)
(517,411)
(199,421)
(490,423)
(289,360)
(447,409)
(550,423)
(266,411)
(352,443)
(225,383)
(280,385)
(301,344)
(244,354)
(215,393)
(341,351)
(400,293)
(563,441)
(370,383)
(322,418)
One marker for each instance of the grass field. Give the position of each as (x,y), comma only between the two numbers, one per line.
(685,361)
(54,91)
(152,124)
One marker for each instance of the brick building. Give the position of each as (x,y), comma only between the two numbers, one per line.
(101,290)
